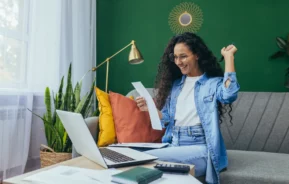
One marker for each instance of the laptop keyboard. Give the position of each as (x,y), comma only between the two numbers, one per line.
(114,156)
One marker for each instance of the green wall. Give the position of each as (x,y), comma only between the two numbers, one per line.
(252,25)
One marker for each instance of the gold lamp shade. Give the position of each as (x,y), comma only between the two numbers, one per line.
(135,56)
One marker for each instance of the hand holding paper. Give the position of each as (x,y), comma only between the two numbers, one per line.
(153,112)
(141,103)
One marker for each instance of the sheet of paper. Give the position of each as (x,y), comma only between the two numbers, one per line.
(72,175)
(141,145)
(176,178)
(154,116)
(105,175)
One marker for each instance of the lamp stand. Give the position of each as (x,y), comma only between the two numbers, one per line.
(107,70)
(134,58)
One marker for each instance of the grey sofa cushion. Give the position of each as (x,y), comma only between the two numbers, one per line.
(260,123)
(251,167)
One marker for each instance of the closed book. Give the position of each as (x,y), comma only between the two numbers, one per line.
(138,175)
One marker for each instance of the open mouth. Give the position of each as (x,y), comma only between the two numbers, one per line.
(183,67)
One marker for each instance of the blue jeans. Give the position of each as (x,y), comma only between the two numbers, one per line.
(188,147)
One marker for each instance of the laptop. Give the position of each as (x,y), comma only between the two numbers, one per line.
(107,157)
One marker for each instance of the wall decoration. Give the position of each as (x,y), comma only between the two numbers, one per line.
(186,17)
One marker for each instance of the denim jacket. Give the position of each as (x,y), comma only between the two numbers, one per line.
(207,92)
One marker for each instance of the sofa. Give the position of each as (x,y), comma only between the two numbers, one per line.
(257,140)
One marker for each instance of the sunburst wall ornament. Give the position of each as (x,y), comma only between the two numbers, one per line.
(186,17)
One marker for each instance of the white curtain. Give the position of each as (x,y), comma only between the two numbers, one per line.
(15,128)
(60,32)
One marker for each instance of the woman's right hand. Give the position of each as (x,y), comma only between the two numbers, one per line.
(141,103)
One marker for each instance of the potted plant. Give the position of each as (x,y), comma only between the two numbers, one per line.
(59,145)
(283,52)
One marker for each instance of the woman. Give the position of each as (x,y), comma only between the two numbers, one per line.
(193,93)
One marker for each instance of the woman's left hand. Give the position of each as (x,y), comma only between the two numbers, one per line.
(228,51)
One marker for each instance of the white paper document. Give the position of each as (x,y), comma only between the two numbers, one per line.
(141,145)
(154,116)
(71,175)
(176,178)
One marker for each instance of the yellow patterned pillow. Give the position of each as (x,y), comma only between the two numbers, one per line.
(106,134)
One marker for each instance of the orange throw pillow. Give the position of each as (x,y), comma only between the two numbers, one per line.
(131,124)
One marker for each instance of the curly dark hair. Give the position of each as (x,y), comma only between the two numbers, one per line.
(168,71)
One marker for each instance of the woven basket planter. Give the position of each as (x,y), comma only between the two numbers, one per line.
(51,157)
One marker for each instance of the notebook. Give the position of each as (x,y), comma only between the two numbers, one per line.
(137,175)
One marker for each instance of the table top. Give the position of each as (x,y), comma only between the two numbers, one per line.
(81,162)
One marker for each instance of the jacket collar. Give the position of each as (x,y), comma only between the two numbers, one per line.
(201,80)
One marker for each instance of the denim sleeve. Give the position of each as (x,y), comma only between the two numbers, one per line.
(227,95)
(165,113)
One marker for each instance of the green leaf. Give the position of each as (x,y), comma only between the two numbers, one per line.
(70,97)
(58,105)
(277,55)
(77,93)
(282,44)
(55,107)
(56,134)
(54,98)
(48,105)
(81,103)
(80,86)
(67,98)
(89,109)
(48,133)
(53,145)
(72,105)
(64,138)
(86,103)
(62,105)
(67,146)
(59,126)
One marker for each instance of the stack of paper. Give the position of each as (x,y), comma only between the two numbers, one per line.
(75,175)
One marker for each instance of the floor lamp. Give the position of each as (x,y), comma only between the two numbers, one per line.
(135,57)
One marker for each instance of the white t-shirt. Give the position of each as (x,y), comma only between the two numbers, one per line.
(186,112)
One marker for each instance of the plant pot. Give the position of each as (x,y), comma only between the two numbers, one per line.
(51,157)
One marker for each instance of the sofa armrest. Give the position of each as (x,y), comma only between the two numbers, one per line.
(92,124)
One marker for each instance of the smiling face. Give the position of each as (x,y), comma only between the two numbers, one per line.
(186,60)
